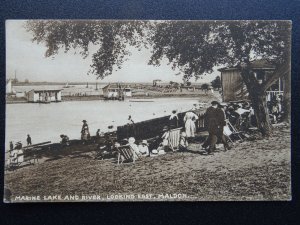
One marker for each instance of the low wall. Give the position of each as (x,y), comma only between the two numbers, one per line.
(152,128)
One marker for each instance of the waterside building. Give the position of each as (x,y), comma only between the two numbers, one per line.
(44,95)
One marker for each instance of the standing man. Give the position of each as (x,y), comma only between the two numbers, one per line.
(222,123)
(28,140)
(130,127)
(130,120)
(85,133)
(215,122)
(11,146)
(173,120)
(97,138)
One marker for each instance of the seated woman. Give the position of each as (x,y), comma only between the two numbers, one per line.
(16,157)
(161,144)
(105,149)
(165,139)
(143,148)
(136,151)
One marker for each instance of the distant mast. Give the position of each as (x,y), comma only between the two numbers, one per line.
(96,87)
(87,84)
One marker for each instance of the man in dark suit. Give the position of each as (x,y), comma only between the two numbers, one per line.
(214,122)
(28,140)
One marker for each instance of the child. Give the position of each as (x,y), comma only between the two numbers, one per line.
(183,143)
(143,148)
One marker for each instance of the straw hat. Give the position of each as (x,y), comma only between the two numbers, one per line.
(145,142)
(161,152)
(154,151)
(131,140)
(117,144)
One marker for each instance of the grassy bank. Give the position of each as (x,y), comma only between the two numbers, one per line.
(252,170)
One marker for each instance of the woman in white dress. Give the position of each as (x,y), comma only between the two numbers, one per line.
(189,121)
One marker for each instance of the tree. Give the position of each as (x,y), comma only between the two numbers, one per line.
(195,47)
(188,83)
(112,39)
(205,87)
(216,83)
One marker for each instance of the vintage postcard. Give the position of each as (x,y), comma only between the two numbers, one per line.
(137,110)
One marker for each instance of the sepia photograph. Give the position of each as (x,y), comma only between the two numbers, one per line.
(147,110)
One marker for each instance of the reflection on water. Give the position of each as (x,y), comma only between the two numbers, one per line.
(45,122)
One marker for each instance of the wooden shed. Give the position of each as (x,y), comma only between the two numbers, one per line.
(115,91)
(233,87)
(44,95)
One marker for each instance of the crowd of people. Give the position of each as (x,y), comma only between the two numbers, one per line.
(236,117)
(16,153)
(239,115)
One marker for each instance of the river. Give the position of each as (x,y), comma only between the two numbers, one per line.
(45,122)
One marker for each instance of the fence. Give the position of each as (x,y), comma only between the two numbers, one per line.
(273,94)
(152,128)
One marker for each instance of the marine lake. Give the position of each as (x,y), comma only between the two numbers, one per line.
(45,122)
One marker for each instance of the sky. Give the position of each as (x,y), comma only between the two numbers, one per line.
(28,61)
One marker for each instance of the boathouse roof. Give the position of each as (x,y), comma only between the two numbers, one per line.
(259,64)
(116,86)
(46,90)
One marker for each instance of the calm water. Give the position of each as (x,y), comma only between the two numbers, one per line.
(45,122)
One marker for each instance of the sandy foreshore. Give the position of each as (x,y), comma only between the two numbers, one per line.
(251,170)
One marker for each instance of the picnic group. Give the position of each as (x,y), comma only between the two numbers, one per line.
(225,123)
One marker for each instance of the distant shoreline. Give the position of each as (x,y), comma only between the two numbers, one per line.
(94,98)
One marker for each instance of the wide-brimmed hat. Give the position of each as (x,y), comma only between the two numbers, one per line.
(145,142)
(215,103)
(174,111)
(131,140)
(117,144)
(84,121)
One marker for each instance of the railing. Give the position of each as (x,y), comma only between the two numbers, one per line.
(273,94)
